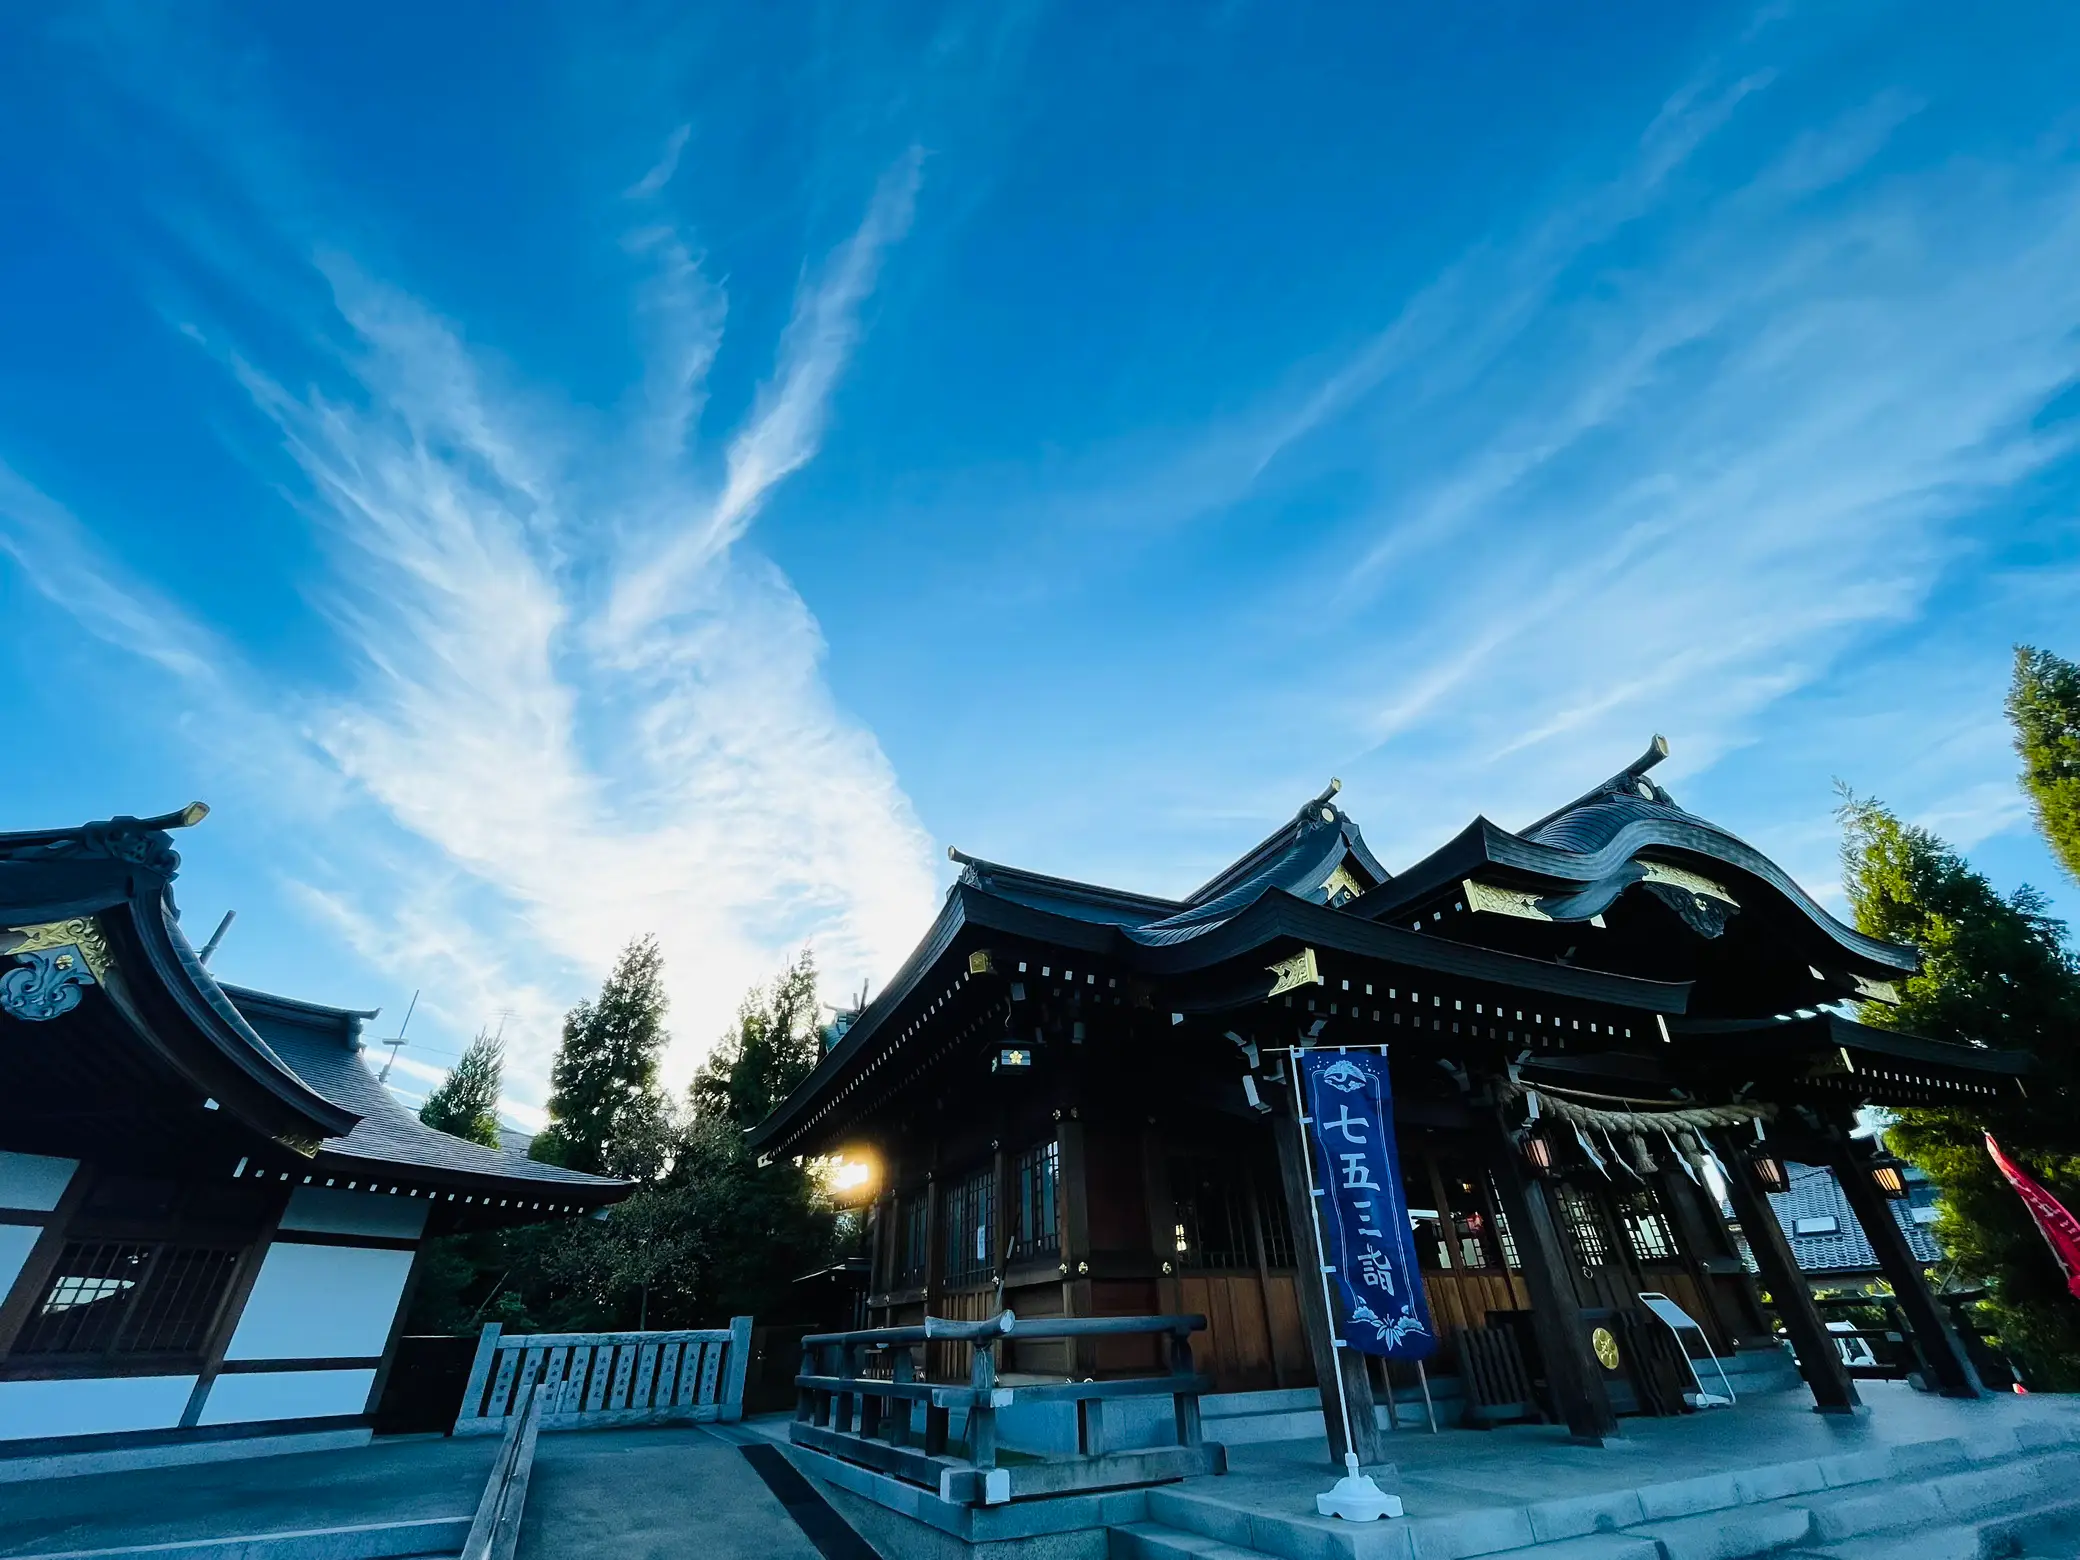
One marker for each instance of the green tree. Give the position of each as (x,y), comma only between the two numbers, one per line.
(465,1103)
(607,1115)
(1995,971)
(775,1045)
(2044,709)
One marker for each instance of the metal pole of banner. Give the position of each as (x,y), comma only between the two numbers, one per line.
(1354,1497)
(1429,1408)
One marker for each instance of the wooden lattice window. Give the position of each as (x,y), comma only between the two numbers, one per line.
(1212,1223)
(913,1236)
(1583,1227)
(128,1298)
(1646,1227)
(969,1224)
(1035,1181)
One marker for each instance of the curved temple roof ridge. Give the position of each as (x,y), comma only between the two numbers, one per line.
(90,939)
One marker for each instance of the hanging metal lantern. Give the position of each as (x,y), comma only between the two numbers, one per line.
(1769,1170)
(1538,1149)
(1889,1176)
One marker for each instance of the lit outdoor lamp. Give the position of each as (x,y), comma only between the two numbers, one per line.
(1769,1170)
(1538,1149)
(851,1180)
(1889,1176)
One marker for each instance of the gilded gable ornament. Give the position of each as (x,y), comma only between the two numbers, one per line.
(54,962)
(1291,974)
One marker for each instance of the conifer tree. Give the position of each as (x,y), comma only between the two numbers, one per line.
(606,1113)
(465,1103)
(1995,971)
(2044,709)
(775,1045)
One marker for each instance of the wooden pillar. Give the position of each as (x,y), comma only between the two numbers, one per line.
(1331,1363)
(1834,1392)
(1722,1279)
(1076,1238)
(1940,1350)
(1162,1234)
(1556,1310)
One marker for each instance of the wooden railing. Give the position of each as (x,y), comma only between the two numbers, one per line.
(859,1392)
(604,1379)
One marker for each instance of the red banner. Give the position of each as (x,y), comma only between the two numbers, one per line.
(2060,1228)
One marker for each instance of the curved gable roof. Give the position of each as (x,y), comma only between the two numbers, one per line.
(1584,855)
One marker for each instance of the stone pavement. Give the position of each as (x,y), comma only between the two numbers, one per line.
(387,1481)
(683,1493)
(668,1494)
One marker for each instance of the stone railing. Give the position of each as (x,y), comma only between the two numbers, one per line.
(603,1379)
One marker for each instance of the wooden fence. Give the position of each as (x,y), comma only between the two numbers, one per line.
(859,1392)
(588,1380)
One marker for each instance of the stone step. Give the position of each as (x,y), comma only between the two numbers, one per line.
(1154,1541)
(1875,1498)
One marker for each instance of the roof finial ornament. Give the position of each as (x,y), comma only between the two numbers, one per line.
(1656,751)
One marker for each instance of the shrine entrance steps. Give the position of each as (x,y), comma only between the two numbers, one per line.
(2007,1485)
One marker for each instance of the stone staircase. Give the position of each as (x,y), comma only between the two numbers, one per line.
(1247,1418)
(2013,1491)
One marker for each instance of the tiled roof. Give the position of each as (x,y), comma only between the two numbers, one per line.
(321,1046)
(1815,1194)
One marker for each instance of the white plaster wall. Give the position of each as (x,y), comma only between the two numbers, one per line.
(15,1242)
(98,1406)
(320,1302)
(330,1211)
(33,1181)
(287,1394)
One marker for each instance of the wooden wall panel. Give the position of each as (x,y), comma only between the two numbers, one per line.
(1288,1337)
(1235,1349)
(1464,1299)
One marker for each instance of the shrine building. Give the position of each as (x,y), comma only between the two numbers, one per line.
(211,1213)
(1077,1096)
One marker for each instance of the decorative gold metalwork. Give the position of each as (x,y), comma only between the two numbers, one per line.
(1606,1348)
(1341,883)
(1518,902)
(979,962)
(1875,990)
(80,933)
(1291,974)
(1696,883)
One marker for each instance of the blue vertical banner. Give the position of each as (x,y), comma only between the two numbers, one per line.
(1369,1246)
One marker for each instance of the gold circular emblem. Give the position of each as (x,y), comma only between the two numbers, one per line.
(1606,1348)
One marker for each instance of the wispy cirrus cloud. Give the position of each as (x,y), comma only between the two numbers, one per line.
(785,427)
(575,787)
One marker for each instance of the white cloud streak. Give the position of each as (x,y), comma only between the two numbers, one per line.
(701,784)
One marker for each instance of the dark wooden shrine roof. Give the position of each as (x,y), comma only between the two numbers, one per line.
(1577,860)
(162,1042)
(1314,884)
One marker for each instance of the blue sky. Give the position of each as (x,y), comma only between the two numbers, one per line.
(546,473)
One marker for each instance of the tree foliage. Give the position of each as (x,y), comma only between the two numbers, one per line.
(607,1115)
(465,1103)
(2044,709)
(710,1232)
(1995,971)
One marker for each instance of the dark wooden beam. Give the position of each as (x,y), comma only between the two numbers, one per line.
(1556,1311)
(1940,1350)
(1819,1361)
(1331,1364)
